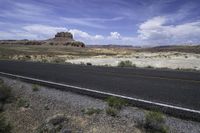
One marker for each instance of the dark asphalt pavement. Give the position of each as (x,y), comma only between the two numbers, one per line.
(163,86)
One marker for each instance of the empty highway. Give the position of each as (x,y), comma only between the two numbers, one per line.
(164,86)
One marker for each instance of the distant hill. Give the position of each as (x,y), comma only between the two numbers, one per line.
(177,48)
(111,46)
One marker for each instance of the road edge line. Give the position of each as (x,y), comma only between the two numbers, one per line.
(166,108)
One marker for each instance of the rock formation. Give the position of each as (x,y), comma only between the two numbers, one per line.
(61,38)
(65,38)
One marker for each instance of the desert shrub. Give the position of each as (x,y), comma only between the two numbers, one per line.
(89,64)
(111,111)
(126,63)
(5,127)
(115,102)
(5,92)
(35,88)
(149,66)
(91,111)
(155,122)
(22,103)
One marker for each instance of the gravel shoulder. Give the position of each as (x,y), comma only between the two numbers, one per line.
(45,103)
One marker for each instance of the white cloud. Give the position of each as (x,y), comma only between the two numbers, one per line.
(37,31)
(43,30)
(155,30)
(114,35)
(152,31)
(84,36)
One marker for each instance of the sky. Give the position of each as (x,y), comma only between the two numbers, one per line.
(125,22)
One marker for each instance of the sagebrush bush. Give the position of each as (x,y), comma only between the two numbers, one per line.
(115,102)
(155,122)
(35,88)
(126,63)
(111,111)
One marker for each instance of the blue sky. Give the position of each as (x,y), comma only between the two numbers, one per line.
(135,22)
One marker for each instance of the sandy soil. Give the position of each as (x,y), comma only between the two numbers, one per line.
(173,60)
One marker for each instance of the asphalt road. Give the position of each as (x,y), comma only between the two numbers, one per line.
(164,86)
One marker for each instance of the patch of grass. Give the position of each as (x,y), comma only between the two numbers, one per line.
(115,102)
(35,88)
(155,122)
(22,103)
(5,127)
(91,111)
(111,111)
(126,63)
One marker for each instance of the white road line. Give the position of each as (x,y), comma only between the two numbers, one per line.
(105,93)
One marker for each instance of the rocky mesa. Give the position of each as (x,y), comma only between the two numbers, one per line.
(61,38)
(64,38)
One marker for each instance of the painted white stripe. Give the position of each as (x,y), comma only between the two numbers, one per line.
(105,93)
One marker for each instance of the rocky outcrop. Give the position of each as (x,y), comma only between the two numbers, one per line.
(65,38)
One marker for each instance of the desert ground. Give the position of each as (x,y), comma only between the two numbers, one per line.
(32,108)
(183,57)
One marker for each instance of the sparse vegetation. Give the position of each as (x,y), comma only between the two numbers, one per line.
(91,111)
(155,122)
(115,102)
(22,103)
(89,64)
(35,87)
(5,127)
(149,66)
(126,63)
(111,111)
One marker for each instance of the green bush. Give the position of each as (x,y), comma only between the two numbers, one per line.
(115,102)
(111,111)
(155,122)
(35,88)
(126,63)
(5,127)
